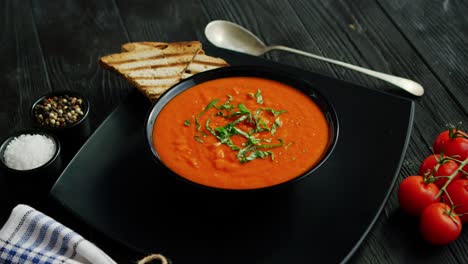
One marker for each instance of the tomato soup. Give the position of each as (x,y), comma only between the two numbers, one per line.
(240,133)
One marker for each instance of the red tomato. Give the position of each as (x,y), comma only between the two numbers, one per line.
(457,148)
(458,192)
(414,195)
(428,164)
(438,225)
(445,167)
(452,142)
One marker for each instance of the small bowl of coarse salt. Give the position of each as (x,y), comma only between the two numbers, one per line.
(31,159)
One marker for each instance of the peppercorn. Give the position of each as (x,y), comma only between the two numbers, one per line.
(59,111)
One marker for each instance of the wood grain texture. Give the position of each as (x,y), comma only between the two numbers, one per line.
(163,20)
(74,34)
(23,74)
(362,34)
(23,78)
(378,41)
(261,17)
(54,45)
(438,30)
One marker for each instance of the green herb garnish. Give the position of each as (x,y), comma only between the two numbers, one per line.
(242,110)
(259,97)
(198,139)
(274,112)
(257,154)
(227,105)
(197,124)
(275,125)
(254,147)
(207,126)
(269,146)
(222,135)
(211,104)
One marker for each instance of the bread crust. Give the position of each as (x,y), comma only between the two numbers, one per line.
(154,67)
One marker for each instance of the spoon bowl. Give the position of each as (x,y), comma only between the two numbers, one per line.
(228,35)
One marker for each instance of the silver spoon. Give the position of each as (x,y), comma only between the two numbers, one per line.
(228,35)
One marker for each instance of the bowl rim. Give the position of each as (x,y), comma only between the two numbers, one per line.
(58,93)
(5,141)
(264,72)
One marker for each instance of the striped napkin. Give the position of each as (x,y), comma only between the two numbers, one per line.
(30,237)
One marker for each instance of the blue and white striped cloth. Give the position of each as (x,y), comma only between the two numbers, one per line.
(30,237)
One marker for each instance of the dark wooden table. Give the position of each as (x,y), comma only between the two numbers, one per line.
(54,45)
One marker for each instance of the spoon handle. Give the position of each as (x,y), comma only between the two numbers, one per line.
(405,84)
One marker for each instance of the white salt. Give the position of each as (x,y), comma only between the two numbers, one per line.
(27,152)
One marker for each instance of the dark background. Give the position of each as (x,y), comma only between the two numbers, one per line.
(54,45)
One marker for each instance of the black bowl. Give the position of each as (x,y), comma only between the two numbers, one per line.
(72,136)
(37,180)
(246,71)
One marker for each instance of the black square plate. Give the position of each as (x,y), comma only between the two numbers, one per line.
(114,185)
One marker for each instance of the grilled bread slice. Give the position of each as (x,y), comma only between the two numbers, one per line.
(132,46)
(155,69)
(201,62)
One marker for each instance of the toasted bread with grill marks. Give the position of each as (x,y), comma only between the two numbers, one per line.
(155,69)
(145,45)
(200,63)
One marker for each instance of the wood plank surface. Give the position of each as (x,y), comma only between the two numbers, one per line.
(23,77)
(55,45)
(23,73)
(376,30)
(359,33)
(74,34)
(165,21)
(438,31)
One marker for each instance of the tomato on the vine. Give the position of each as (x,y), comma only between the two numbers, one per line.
(436,166)
(452,142)
(458,193)
(414,195)
(428,164)
(439,225)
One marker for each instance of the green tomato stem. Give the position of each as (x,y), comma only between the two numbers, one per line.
(454,159)
(451,177)
(450,200)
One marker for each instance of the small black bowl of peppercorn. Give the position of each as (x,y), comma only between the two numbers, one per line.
(65,114)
